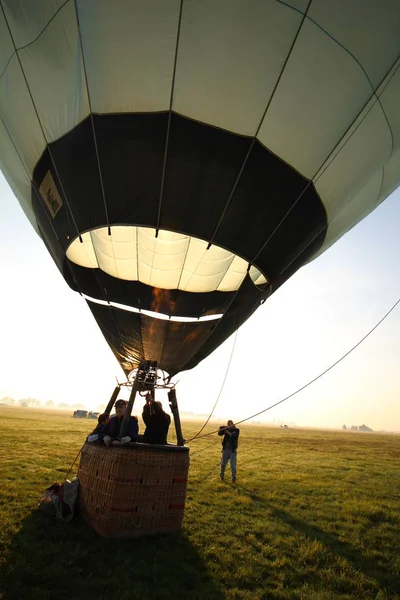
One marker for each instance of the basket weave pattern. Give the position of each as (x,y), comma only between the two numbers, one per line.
(134,490)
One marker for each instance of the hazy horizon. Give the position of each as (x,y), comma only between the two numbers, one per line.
(185,415)
(52,348)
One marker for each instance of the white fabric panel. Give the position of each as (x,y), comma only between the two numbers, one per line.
(145,252)
(234,276)
(366,148)
(391,177)
(117,253)
(17,111)
(161,259)
(343,216)
(204,268)
(170,255)
(213,261)
(104,250)
(184,319)
(96,300)
(191,277)
(170,261)
(54,70)
(10,162)
(353,212)
(123,239)
(6,45)
(123,306)
(260,280)
(368,29)
(82,253)
(204,318)
(129,49)
(16,176)
(27,18)
(230,55)
(321,91)
(155,315)
(389,95)
(256,276)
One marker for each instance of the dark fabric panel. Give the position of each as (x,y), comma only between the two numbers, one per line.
(59,230)
(53,246)
(132,336)
(266,192)
(306,236)
(175,346)
(56,246)
(246,301)
(131,154)
(171,343)
(131,150)
(77,168)
(97,284)
(309,247)
(203,164)
(122,332)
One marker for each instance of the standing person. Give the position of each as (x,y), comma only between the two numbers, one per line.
(156,420)
(229,447)
(112,428)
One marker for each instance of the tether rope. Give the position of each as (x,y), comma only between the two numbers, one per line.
(220,391)
(315,378)
(75,459)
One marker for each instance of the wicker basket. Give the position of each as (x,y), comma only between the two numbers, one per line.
(133,490)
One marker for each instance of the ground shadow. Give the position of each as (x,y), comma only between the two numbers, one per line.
(387,581)
(48,559)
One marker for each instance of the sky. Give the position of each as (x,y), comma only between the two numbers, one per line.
(51,347)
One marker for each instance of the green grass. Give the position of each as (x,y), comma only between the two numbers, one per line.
(314,515)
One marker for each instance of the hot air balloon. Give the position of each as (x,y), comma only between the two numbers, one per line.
(182,159)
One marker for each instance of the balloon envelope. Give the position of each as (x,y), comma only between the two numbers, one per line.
(181,160)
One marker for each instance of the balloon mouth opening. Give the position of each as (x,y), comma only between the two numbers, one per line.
(162,259)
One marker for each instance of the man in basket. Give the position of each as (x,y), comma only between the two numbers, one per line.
(111,430)
(157,422)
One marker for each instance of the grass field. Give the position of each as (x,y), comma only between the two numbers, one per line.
(313,515)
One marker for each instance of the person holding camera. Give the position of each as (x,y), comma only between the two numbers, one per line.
(156,420)
(230,440)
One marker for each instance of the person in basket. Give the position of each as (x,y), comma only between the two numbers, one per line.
(111,430)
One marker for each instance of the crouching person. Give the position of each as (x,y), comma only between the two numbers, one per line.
(96,434)
(112,429)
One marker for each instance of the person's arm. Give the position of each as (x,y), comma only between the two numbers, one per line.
(133,429)
(146,414)
(235,438)
(106,429)
(105,435)
(222,430)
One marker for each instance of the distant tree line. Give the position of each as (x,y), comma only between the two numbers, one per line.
(34,403)
(357,428)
